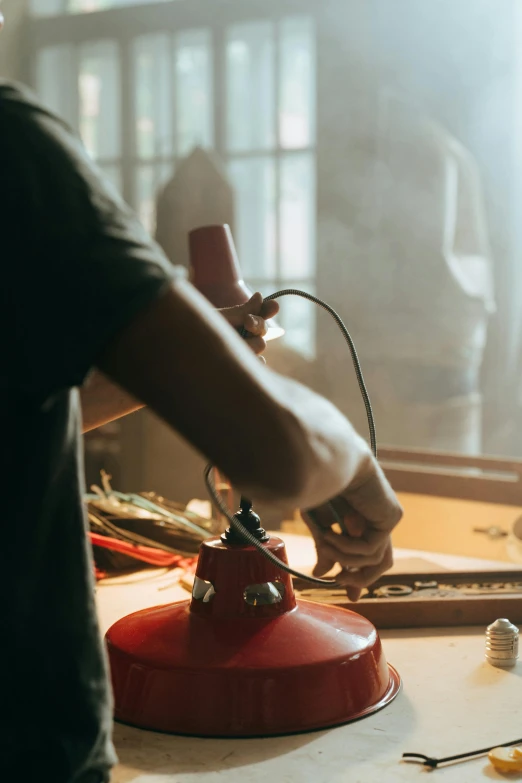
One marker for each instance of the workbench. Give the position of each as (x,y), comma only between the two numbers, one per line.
(451,702)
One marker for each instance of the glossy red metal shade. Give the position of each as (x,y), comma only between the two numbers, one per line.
(243,658)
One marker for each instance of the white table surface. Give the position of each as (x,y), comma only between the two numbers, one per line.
(451,702)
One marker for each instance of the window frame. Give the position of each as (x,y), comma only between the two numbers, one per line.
(123,25)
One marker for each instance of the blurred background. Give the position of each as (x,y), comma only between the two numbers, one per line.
(368,151)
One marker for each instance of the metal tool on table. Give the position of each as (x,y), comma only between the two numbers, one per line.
(496,758)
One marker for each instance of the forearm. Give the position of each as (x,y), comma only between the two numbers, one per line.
(275,439)
(333,453)
(104,401)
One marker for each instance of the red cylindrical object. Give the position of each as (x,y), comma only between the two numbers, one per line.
(214,266)
(215,272)
(222,666)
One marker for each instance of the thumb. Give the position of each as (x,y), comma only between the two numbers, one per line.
(254,304)
(324,564)
(353,593)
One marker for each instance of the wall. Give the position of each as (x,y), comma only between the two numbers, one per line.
(11,40)
(457,62)
(470,84)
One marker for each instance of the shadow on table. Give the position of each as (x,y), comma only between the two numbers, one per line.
(491,773)
(483,674)
(165,754)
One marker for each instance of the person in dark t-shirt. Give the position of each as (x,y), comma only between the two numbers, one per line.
(89,302)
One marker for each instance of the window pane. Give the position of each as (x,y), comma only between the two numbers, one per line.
(55,81)
(113,175)
(79,6)
(298,317)
(153,96)
(297,82)
(194,101)
(47,7)
(76,6)
(297,216)
(254,182)
(53,7)
(99,89)
(250,87)
(149,179)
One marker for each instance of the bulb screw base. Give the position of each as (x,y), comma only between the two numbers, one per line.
(502,643)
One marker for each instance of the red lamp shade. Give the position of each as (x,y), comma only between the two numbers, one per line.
(215,271)
(243,658)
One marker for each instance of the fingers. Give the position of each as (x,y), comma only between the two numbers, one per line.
(357,571)
(254,324)
(332,552)
(254,304)
(366,576)
(353,524)
(250,318)
(329,552)
(354,580)
(338,510)
(236,315)
(325,560)
(269,309)
(366,546)
(258,306)
(324,563)
(257,311)
(256,344)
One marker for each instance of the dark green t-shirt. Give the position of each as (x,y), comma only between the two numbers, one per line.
(76,267)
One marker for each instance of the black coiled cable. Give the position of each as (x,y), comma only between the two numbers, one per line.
(351,345)
(218,502)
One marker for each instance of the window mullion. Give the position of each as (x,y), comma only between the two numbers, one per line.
(128,121)
(75,91)
(219,91)
(173,82)
(277,151)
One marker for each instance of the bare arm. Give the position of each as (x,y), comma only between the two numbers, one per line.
(276,440)
(104,401)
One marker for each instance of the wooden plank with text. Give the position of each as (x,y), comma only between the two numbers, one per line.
(432,600)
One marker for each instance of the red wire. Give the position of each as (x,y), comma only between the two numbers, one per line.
(139,552)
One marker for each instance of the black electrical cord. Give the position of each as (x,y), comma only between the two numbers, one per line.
(351,345)
(218,502)
(251,539)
